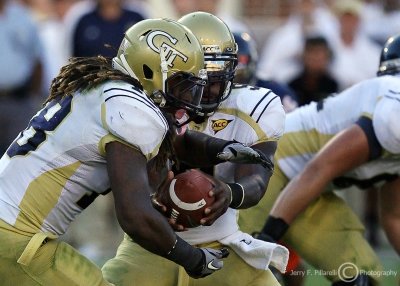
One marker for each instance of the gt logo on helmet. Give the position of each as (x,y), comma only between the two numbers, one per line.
(170,52)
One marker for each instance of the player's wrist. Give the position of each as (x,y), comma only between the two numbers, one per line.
(275,228)
(215,146)
(189,257)
(237,195)
(220,149)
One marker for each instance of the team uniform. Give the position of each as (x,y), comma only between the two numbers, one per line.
(328,233)
(249,115)
(55,168)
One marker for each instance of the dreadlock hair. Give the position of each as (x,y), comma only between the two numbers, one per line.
(84,73)
(167,150)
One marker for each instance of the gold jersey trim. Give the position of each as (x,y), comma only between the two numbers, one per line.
(262,137)
(41,197)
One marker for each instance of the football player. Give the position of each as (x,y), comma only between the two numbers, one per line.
(98,128)
(351,139)
(251,115)
(245,74)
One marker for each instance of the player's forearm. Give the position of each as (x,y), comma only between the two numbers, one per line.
(131,188)
(154,234)
(295,198)
(254,178)
(299,193)
(198,150)
(254,186)
(144,224)
(391,225)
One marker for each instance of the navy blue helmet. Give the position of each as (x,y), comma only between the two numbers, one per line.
(390,57)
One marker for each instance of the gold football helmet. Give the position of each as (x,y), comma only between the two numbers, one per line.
(168,61)
(220,55)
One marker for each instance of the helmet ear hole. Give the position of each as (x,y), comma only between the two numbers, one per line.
(148,73)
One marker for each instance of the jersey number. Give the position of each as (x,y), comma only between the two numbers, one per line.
(45,120)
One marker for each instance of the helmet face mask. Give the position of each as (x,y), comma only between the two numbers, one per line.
(185,91)
(220,76)
(389,63)
(220,55)
(163,54)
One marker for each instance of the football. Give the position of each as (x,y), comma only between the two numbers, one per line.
(188,197)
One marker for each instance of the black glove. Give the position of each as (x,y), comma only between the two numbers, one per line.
(238,153)
(211,262)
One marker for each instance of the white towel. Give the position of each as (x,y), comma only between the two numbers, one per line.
(258,253)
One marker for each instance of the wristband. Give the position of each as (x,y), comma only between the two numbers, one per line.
(184,254)
(275,228)
(237,195)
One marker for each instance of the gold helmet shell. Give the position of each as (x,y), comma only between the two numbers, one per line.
(154,50)
(213,34)
(220,55)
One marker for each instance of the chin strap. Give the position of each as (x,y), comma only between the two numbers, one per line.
(227,90)
(158,96)
(164,68)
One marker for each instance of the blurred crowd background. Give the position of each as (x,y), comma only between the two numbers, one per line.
(313,47)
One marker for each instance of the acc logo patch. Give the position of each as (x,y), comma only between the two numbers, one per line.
(219,124)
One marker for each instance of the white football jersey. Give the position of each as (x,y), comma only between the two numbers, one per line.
(56,167)
(310,127)
(250,115)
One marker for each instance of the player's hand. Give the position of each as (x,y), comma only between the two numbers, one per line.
(222,197)
(238,153)
(211,262)
(157,197)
